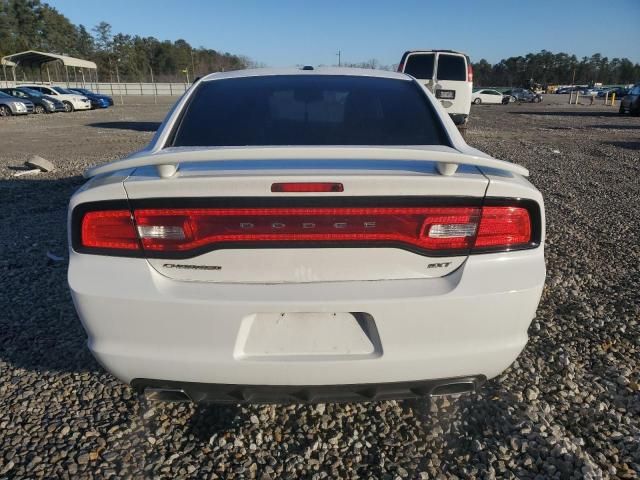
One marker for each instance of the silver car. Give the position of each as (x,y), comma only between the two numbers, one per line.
(11,106)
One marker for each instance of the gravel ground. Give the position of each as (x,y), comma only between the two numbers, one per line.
(569,407)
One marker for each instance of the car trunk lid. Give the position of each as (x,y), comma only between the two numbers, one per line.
(242,229)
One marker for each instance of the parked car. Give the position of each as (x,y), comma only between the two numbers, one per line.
(12,106)
(564,90)
(447,74)
(631,101)
(41,103)
(97,100)
(523,95)
(487,95)
(272,245)
(619,91)
(588,91)
(71,101)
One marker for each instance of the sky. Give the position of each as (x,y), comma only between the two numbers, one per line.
(286,32)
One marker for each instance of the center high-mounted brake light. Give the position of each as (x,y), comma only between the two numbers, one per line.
(191,231)
(306,187)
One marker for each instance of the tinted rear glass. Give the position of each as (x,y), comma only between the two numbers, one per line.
(309,110)
(420,65)
(451,67)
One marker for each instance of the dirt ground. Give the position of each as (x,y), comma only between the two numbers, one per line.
(568,408)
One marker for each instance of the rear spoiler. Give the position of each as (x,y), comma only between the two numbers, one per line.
(167,161)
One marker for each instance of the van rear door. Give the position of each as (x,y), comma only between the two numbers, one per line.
(452,86)
(421,66)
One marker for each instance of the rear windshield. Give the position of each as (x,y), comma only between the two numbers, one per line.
(309,110)
(451,67)
(420,65)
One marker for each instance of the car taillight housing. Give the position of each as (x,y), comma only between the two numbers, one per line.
(469,73)
(187,232)
(109,229)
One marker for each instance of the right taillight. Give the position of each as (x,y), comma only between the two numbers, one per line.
(503,227)
(469,73)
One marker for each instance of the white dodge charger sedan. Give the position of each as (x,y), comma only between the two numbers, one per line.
(306,235)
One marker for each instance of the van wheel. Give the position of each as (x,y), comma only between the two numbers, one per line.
(68,107)
(477,101)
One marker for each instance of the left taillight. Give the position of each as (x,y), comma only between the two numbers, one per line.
(109,229)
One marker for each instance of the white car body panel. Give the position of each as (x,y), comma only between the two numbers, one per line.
(475,320)
(305,316)
(79,102)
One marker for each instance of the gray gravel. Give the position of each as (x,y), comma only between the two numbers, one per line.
(569,407)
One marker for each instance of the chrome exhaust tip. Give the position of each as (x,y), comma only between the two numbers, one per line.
(166,395)
(455,388)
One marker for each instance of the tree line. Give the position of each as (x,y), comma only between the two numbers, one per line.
(547,68)
(33,25)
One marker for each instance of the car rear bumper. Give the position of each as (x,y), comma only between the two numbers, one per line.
(142,325)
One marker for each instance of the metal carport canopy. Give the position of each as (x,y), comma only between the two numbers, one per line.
(33,57)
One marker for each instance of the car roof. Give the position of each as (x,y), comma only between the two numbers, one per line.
(432,50)
(265,72)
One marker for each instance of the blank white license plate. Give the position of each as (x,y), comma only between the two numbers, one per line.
(302,335)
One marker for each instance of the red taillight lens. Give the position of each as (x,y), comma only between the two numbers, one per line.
(110,229)
(469,73)
(433,230)
(503,227)
(400,67)
(422,228)
(304,187)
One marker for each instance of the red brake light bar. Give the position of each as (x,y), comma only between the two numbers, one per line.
(188,231)
(303,187)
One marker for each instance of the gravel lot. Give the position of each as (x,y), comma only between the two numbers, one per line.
(568,408)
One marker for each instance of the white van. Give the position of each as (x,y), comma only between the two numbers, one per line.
(447,74)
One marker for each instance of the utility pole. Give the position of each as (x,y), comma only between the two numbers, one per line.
(193,65)
(155,87)
(339,54)
(118,80)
